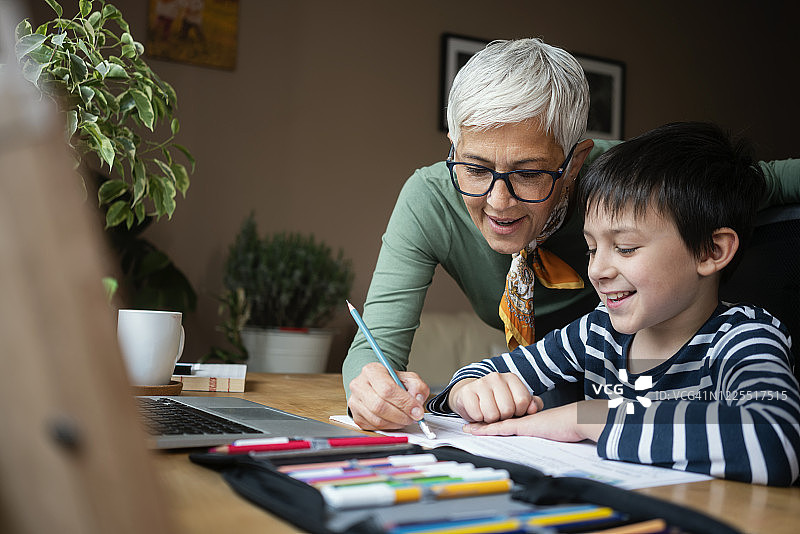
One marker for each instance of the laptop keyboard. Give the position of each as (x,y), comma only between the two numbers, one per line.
(167,417)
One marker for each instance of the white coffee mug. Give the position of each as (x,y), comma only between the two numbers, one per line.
(151,343)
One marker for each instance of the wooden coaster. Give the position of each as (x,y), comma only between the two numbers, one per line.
(173,388)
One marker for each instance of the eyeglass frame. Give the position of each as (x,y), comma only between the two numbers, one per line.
(504,176)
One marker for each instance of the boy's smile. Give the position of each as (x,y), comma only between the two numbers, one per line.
(646,276)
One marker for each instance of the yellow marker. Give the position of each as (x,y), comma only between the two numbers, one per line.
(468,489)
(570,517)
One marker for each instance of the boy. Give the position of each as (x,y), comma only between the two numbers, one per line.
(672,377)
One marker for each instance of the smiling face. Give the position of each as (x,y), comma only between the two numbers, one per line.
(507,224)
(645,275)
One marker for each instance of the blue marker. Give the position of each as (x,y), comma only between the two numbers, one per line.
(422,424)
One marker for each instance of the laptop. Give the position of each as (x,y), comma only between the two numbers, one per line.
(174,422)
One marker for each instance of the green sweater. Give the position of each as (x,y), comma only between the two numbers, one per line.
(430,226)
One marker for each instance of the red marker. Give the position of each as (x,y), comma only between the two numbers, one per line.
(243,447)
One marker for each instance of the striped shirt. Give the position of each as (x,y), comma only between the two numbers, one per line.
(726,404)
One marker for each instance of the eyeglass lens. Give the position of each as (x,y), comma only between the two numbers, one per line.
(475,180)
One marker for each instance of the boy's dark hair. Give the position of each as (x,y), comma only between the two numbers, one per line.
(689,171)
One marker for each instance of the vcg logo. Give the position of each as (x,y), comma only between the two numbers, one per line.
(615,391)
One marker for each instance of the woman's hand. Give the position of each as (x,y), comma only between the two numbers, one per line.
(491,398)
(377,403)
(572,422)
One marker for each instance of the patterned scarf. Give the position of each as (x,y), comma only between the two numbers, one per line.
(516,306)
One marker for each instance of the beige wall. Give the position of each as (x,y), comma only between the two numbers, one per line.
(351,89)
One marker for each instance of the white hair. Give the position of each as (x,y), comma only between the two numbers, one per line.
(512,81)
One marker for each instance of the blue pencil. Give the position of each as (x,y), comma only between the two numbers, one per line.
(379,353)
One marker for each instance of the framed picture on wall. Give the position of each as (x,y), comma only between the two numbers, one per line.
(456,50)
(606,79)
(201,32)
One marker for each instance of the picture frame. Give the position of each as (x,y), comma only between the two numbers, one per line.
(606,79)
(455,51)
(197,32)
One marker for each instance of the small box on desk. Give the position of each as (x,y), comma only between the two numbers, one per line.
(228,378)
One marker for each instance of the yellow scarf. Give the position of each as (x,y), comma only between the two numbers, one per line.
(516,306)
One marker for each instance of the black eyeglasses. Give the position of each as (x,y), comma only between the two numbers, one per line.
(526,185)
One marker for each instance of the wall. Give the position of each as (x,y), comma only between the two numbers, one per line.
(334,103)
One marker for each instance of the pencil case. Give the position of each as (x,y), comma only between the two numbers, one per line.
(259,480)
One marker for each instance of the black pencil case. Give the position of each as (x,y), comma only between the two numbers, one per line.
(259,481)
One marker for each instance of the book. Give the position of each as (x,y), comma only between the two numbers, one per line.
(228,378)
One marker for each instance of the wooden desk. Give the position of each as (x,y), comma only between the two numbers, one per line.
(203,502)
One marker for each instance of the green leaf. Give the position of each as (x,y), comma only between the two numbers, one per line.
(181,177)
(100,102)
(138,210)
(160,108)
(111,70)
(23,28)
(163,194)
(117,213)
(28,43)
(77,68)
(103,144)
(126,38)
(185,153)
(110,190)
(85,7)
(87,117)
(143,107)
(31,70)
(87,94)
(172,96)
(58,39)
(95,19)
(56,7)
(128,146)
(128,51)
(60,73)
(126,102)
(72,123)
(43,55)
(110,286)
(89,29)
(166,170)
(110,11)
(175,126)
(139,181)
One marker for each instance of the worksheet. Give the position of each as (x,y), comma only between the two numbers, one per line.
(551,457)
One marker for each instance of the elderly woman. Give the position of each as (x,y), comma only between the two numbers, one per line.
(495,215)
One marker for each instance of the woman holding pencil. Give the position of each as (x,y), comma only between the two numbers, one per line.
(496,216)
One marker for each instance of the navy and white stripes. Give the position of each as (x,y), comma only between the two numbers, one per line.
(726,404)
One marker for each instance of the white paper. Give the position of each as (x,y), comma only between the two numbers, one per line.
(551,457)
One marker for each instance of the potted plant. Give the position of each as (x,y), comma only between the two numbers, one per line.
(280,291)
(91,67)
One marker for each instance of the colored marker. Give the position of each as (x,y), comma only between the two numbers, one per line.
(379,353)
(283,444)
(410,477)
(245,448)
(383,469)
(382,494)
(398,459)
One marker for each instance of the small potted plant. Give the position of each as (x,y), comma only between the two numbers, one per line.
(280,291)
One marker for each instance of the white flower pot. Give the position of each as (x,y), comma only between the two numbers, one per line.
(276,350)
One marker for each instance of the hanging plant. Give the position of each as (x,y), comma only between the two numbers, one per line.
(113,103)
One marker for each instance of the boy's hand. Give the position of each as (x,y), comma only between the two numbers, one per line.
(491,398)
(378,403)
(559,424)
